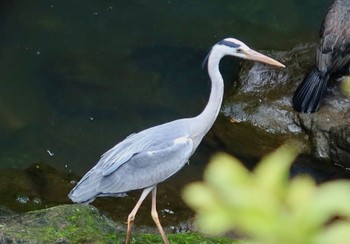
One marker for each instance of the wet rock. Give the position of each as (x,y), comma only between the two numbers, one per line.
(340,144)
(78,223)
(258,116)
(61,224)
(5,211)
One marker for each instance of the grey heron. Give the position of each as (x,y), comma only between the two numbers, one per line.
(332,56)
(149,157)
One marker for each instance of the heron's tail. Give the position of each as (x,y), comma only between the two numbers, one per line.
(81,196)
(88,188)
(310,92)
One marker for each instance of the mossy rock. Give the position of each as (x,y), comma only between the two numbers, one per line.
(79,224)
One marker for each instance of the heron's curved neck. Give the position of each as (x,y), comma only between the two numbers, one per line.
(207,117)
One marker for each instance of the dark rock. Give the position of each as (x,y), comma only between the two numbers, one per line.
(258,115)
(340,145)
(36,187)
(5,211)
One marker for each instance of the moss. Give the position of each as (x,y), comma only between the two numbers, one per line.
(80,224)
(182,238)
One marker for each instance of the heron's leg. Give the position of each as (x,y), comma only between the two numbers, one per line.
(155,215)
(132,214)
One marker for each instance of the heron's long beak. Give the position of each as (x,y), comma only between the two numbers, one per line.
(254,55)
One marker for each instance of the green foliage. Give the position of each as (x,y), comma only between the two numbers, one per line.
(346,86)
(268,207)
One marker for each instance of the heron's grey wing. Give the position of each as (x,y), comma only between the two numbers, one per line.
(123,151)
(143,169)
(149,167)
(111,161)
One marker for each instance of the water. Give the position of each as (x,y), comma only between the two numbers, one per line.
(79,76)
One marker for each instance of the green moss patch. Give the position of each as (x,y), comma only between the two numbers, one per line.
(80,224)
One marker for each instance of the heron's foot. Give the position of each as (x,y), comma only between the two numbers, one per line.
(128,230)
(160,228)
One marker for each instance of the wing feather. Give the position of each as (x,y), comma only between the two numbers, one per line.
(148,168)
(140,167)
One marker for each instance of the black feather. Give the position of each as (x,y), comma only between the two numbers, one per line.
(309,94)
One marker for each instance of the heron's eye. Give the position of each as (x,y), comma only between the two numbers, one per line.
(239,50)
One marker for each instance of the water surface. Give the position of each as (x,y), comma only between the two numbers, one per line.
(79,76)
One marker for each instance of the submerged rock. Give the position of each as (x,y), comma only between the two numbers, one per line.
(258,115)
(36,187)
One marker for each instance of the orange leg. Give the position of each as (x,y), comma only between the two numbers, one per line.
(155,215)
(132,215)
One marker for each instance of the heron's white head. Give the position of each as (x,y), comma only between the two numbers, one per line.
(234,47)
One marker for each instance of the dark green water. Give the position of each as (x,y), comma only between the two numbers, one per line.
(79,76)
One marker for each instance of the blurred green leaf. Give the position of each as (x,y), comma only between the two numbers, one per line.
(198,196)
(338,233)
(225,169)
(273,170)
(346,86)
(332,199)
(268,207)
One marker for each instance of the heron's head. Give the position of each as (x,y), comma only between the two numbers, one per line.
(234,47)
